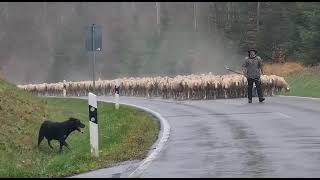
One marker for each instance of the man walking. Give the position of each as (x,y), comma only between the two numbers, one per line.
(252,69)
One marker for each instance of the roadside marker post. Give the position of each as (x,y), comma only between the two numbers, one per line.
(93,121)
(116,94)
(64,89)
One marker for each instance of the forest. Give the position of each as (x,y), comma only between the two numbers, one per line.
(45,41)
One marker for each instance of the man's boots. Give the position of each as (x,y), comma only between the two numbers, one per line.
(261,99)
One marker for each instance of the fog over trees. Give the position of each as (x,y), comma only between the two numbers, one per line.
(44,41)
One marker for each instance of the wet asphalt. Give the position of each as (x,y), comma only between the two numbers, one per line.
(231,138)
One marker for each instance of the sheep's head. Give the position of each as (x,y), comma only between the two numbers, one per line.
(287,89)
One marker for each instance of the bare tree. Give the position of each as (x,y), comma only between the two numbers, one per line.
(158,17)
(258,16)
(133,7)
(195,16)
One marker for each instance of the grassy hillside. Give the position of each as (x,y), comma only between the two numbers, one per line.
(303,81)
(126,134)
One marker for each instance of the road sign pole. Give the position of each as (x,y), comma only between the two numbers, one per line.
(94,58)
(93,43)
(94,76)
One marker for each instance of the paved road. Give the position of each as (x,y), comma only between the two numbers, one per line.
(231,138)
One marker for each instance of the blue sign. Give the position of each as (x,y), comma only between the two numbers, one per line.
(94,38)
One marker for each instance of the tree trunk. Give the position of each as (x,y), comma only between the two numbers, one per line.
(215,17)
(133,7)
(6,10)
(158,18)
(252,26)
(228,12)
(208,21)
(258,16)
(195,16)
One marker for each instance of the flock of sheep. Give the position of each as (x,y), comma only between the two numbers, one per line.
(191,87)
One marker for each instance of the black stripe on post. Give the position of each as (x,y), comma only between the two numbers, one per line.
(93,114)
(117,89)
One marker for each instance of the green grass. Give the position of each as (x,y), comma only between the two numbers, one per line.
(305,84)
(126,134)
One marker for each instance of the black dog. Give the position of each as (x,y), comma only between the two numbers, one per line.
(59,131)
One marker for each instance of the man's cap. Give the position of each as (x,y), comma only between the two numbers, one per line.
(253,50)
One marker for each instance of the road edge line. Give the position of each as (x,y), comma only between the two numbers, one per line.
(301,97)
(158,146)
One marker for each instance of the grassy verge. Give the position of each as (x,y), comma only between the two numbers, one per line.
(304,84)
(303,81)
(126,134)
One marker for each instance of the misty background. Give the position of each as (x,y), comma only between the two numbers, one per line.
(45,41)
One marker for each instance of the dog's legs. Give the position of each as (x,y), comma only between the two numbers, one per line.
(65,137)
(49,144)
(67,145)
(61,144)
(41,133)
(40,139)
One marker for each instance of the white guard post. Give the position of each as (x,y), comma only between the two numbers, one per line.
(64,88)
(93,121)
(116,94)
(117,100)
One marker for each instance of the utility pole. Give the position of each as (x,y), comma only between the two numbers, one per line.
(94,58)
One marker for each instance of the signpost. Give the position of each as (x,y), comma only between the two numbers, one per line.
(93,121)
(93,43)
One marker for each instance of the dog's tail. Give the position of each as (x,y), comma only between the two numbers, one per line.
(41,133)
